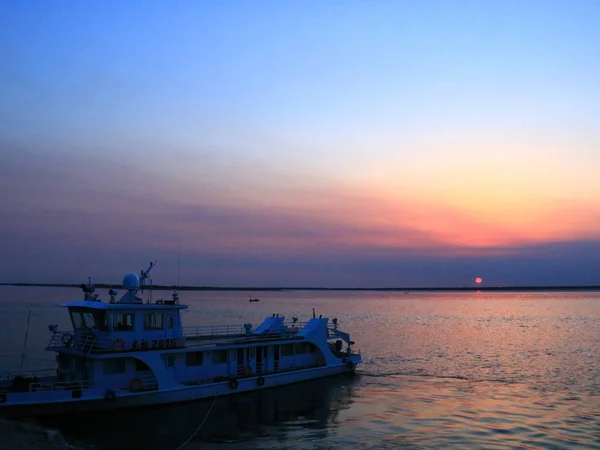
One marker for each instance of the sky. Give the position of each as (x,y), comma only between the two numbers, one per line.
(301,143)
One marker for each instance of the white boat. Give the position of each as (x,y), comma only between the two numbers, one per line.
(131,353)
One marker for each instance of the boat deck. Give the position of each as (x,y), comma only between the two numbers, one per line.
(201,336)
(232,335)
(37,380)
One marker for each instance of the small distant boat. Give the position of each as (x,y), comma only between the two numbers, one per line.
(130,353)
(254,299)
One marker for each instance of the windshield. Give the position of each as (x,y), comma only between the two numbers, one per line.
(87,319)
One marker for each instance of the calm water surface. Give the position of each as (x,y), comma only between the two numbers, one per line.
(441,370)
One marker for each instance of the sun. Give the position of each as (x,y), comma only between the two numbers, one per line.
(478,280)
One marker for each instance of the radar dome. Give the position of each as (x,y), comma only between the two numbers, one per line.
(131,281)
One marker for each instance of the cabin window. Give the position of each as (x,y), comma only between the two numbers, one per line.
(170,360)
(193,359)
(219,356)
(153,321)
(122,321)
(120,365)
(87,320)
(287,349)
(141,366)
(77,320)
(100,320)
(170,322)
(300,348)
(114,366)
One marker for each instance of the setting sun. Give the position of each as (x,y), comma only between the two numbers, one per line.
(478,280)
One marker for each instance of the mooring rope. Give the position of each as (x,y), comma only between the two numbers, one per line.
(199,426)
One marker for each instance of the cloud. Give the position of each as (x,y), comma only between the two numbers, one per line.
(64,214)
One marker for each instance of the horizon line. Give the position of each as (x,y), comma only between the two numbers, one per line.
(293,288)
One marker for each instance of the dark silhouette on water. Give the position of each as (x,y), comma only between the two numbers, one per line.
(238,418)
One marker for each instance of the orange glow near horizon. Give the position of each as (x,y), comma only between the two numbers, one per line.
(453,213)
(496,197)
(373,216)
(320,220)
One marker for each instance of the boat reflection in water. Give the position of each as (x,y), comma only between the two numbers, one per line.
(270,414)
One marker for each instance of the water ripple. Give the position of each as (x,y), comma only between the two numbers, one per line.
(453,416)
(441,370)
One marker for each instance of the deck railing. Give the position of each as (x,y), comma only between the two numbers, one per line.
(60,339)
(85,343)
(147,382)
(37,373)
(60,386)
(192,337)
(239,339)
(38,380)
(204,332)
(297,325)
(207,332)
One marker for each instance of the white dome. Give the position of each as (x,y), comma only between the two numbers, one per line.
(131,281)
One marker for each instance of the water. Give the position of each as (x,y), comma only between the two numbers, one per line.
(441,370)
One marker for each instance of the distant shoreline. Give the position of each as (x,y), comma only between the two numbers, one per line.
(279,289)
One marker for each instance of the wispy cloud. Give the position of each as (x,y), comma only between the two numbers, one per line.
(81,212)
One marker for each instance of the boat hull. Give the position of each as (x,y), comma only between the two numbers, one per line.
(94,399)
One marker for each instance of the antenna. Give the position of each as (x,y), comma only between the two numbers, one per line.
(25,342)
(175,293)
(144,274)
(150,292)
(178,260)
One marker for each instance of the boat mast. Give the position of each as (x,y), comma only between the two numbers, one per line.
(143,275)
(25,342)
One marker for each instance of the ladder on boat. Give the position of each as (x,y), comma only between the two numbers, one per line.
(87,344)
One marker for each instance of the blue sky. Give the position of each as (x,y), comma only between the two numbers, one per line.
(358,139)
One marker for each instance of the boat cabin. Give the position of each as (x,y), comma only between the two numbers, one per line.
(116,327)
(125,324)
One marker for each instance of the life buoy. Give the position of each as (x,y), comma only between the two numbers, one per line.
(247,371)
(260,381)
(118,344)
(110,395)
(136,384)
(320,361)
(233,384)
(67,340)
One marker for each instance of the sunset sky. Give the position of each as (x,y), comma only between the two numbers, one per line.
(301,143)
